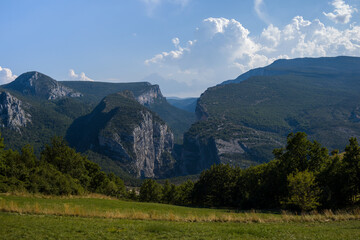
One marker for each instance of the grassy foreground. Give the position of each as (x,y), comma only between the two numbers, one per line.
(15,226)
(29,217)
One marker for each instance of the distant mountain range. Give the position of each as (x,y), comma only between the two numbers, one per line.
(132,130)
(187,104)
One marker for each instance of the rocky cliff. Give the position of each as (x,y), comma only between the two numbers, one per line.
(12,114)
(40,85)
(211,142)
(149,95)
(129,133)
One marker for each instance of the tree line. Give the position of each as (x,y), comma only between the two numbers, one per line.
(303,176)
(60,170)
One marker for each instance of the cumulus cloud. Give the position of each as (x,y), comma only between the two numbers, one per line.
(6,75)
(223,48)
(78,77)
(342,12)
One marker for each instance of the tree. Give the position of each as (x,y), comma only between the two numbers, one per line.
(351,171)
(215,186)
(150,191)
(185,193)
(168,193)
(303,192)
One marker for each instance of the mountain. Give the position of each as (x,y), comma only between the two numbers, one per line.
(311,67)
(187,104)
(35,107)
(147,94)
(40,85)
(124,130)
(242,121)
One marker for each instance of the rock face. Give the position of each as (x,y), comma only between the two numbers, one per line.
(12,114)
(129,133)
(145,148)
(150,95)
(238,147)
(40,85)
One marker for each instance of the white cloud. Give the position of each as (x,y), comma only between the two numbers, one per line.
(223,48)
(6,75)
(258,4)
(342,12)
(78,77)
(177,53)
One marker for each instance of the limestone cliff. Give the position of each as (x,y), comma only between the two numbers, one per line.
(149,95)
(127,132)
(12,114)
(238,146)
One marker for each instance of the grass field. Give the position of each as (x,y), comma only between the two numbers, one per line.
(29,217)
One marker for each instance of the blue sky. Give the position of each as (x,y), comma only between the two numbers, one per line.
(183,45)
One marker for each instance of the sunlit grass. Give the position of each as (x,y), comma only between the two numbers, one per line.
(16,226)
(92,207)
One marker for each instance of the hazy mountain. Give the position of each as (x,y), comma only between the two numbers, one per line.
(311,67)
(187,104)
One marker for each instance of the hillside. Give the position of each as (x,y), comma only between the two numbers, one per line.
(33,120)
(149,95)
(242,122)
(126,132)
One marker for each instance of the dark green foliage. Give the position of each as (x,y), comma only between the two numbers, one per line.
(112,166)
(22,171)
(60,171)
(215,186)
(303,177)
(303,192)
(168,192)
(351,172)
(48,119)
(150,191)
(185,193)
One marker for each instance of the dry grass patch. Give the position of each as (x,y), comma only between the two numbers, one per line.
(48,207)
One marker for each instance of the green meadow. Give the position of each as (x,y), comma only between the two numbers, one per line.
(93,217)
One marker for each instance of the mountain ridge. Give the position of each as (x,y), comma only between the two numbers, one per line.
(241,123)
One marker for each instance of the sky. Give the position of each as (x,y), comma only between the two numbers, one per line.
(185,46)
